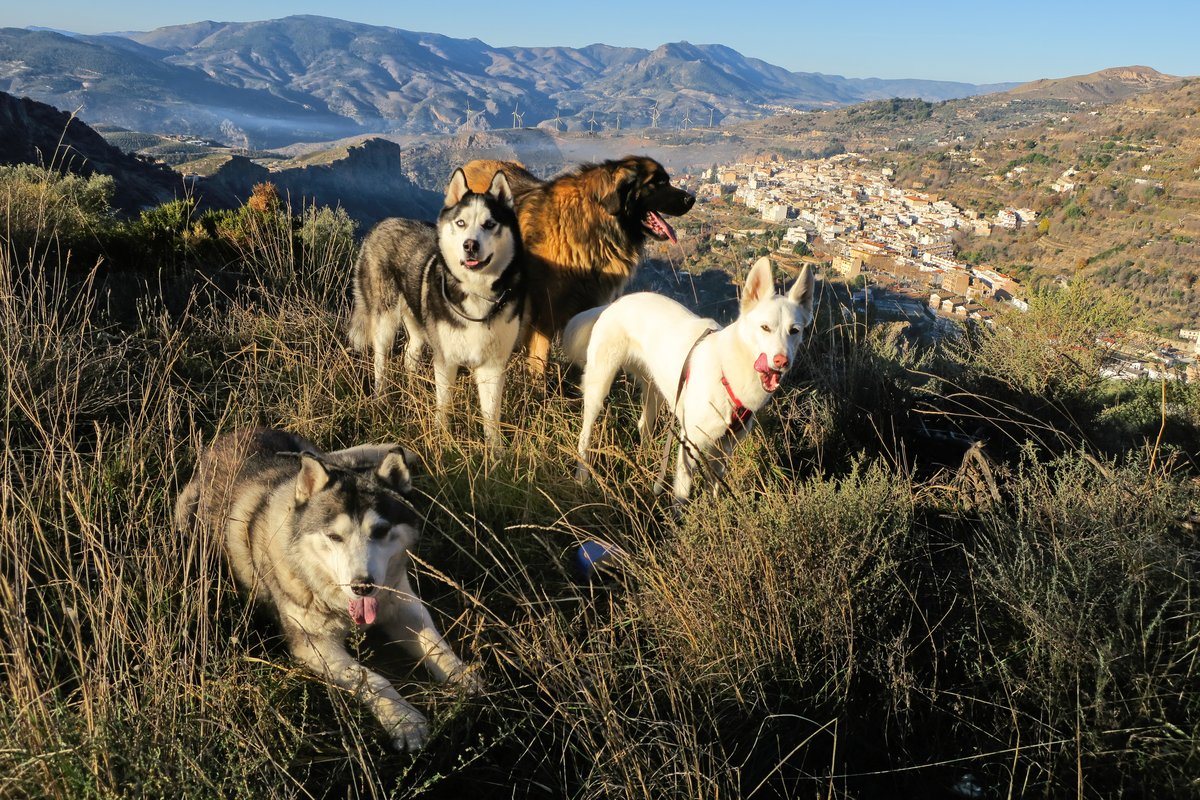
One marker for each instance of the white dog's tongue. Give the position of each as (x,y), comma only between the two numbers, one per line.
(362,610)
(770,378)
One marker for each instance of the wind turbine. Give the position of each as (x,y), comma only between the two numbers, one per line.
(558,121)
(592,123)
(654,115)
(618,120)
(687,119)
(710,117)
(518,117)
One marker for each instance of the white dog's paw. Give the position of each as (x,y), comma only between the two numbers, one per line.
(409,735)
(582,472)
(469,679)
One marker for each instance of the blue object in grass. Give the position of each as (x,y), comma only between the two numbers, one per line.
(590,556)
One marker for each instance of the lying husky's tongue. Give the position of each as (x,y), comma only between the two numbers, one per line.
(362,610)
(659,227)
(770,378)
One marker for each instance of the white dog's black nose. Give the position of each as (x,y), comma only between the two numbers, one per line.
(362,586)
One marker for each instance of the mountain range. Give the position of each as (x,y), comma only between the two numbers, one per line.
(314,78)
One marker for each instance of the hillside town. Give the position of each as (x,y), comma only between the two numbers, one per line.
(896,247)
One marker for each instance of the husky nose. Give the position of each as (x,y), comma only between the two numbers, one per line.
(471,247)
(363,585)
(781,361)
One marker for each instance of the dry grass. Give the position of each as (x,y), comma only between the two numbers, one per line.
(843,625)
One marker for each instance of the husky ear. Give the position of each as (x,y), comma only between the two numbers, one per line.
(312,478)
(500,189)
(393,470)
(457,188)
(760,284)
(801,292)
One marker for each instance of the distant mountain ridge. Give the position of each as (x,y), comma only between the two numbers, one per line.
(1104,86)
(306,77)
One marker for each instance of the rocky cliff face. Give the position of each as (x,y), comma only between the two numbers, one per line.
(35,133)
(367,181)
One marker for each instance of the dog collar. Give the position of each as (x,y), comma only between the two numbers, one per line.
(741,417)
(497,304)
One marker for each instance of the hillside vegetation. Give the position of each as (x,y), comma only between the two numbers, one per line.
(973,565)
(1131,222)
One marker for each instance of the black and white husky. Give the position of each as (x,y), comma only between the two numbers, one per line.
(458,288)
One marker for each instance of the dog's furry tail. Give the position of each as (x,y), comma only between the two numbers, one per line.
(578,333)
(187,506)
(360,325)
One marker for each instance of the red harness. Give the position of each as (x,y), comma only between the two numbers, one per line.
(739,420)
(741,417)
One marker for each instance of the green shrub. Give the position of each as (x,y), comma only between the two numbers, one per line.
(1052,349)
(41,204)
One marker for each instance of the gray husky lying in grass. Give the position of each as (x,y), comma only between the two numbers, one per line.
(323,539)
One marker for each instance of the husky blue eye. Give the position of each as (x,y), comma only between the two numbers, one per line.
(460,223)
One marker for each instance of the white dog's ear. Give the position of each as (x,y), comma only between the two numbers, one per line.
(312,478)
(802,292)
(393,471)
(760,285)
(457,188)
(500,189)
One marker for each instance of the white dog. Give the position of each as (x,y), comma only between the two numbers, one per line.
(714,379)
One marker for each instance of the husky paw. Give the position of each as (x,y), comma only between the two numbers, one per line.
(409,736)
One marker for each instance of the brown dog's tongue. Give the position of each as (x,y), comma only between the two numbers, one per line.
(363,610)
(661,226)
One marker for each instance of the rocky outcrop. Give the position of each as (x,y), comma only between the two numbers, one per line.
(367,182)
(35,133)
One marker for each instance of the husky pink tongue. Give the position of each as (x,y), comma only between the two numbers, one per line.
(770,378)
(362,610)
(660,226)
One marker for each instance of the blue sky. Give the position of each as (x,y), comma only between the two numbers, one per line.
(979,42)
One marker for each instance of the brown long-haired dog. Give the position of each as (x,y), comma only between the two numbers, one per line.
(583,234)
